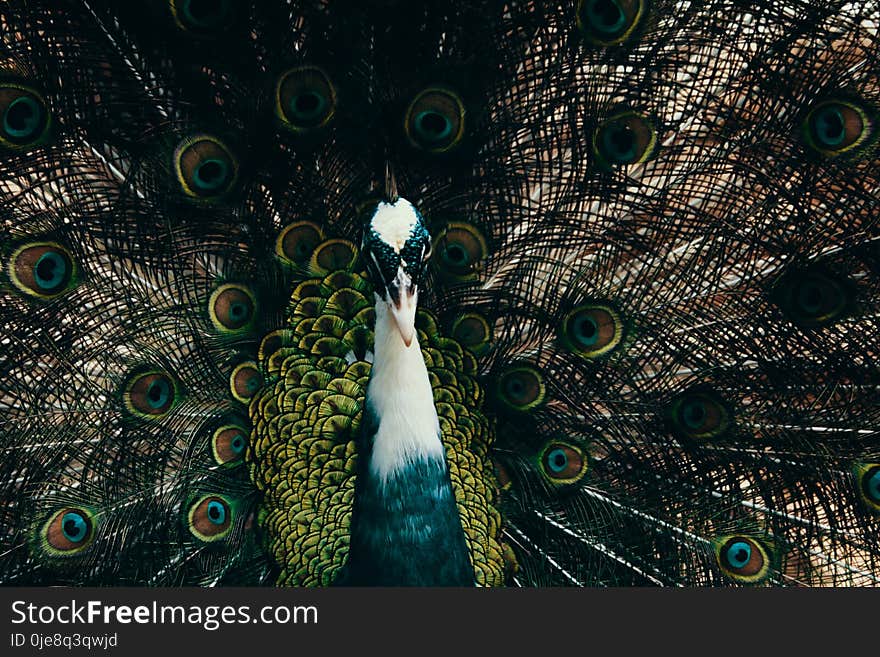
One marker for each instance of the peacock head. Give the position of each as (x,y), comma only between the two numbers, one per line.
(395,249)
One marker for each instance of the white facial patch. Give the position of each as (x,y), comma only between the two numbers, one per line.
(394,222)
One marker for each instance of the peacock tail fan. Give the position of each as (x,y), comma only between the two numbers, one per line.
(649,318)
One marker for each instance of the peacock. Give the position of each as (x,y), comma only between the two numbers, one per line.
(426,293)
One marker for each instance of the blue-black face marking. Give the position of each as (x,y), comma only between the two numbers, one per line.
(382,261)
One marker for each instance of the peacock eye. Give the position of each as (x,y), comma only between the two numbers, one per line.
(229,443)
(473,332)
(333,255)
(610,22)
(42,269)
(203,16)
(838,128)
(592,330)
(868,481)
(232,308)
(563,463)
(461,249)
(435,120)
(813,299)
(626,138)
(69,531)
(742,559)
(25,119)
(210,518)
(245,381)
(150,394)
(298,241)
(699,416)
(205,168)
(304,99)
(521,388)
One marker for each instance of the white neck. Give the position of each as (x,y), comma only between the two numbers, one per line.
(401,397)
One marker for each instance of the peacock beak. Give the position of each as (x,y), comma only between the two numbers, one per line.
(403,301)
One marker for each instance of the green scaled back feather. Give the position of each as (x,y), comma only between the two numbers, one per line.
(649,318)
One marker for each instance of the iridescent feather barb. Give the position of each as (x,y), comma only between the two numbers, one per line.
(649,316)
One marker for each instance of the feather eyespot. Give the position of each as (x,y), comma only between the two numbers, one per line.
(460,250)
(245,381)
(203,17)
(867,477)
(699,415)
(592,330)
(232,308)
(229,444)
(210,518)
(42,269)
(150,394)
(205,168)
(521,388)
(743,559)
(623,139)
(25,117)
(563,463)
(813,298)
(297,241)
(473,332)
(68,531)
(839,129)
(305,99)
(435,120)
(610,22)
(333,255)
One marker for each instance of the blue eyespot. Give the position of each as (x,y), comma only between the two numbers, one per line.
(623,139)
(809,298)
(610,22)
(216,512)
(210,518)
(841,128)
(51,271)
(229,443)
(563,463)
(74,526)
(43,269)
(828,126)
(739,554)
(231,307)
(238,444)
(557,460)
(239,311)
(605,16)
(872,487)
(592,330)
(158,393)
(307,106)
(744,559)
(619,143)
(521,388)
(305,99)
(700,415)
(205,168)
(211,174)
(203,15)
(693,413)
(23,118)
(435,120)
(433,126)
(586,330)
(150,394)
(813,298)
